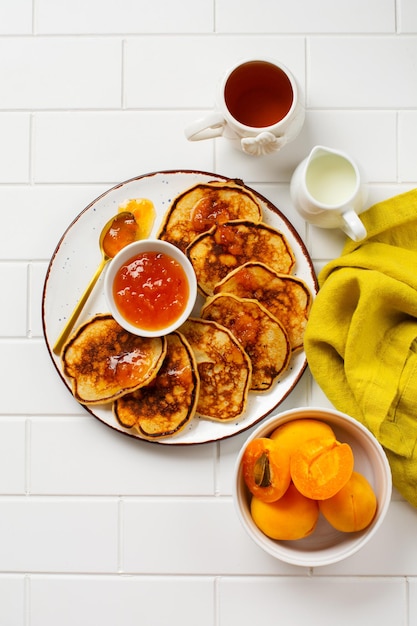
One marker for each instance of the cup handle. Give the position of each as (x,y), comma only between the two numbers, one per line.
(206,128)
(353,226)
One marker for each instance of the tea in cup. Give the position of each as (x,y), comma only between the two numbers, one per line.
(259,107)
(325,189)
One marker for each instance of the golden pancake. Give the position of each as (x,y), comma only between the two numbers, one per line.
(197,209)
(165,406)
(227,246)
(104,361)
(260,334)
(224,368)
(288,298)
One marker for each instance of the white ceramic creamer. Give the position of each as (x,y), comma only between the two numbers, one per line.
(326,191)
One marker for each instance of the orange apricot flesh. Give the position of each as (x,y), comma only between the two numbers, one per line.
(291,517)
(292,435)
(353,507)
(144,212)
(321,467)
(266,469)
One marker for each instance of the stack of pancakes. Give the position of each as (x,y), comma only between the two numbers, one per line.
(252,320)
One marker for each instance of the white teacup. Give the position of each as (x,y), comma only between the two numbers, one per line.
(325,189)
(259,107)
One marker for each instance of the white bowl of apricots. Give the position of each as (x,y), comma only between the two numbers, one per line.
(312,486)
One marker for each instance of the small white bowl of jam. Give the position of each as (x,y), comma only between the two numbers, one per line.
(150,288)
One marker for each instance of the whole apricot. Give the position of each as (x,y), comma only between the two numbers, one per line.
(291,517)
(266,469)
(353,507)
(321,467)
(292,435)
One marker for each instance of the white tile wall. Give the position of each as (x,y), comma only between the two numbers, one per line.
(127,600)
(14,148)
(295,601)
(60,73)
(96,528)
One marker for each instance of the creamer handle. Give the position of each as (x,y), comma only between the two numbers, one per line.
(353,226)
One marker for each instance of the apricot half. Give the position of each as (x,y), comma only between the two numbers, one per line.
(266,469)
(292,435)
(291,517)
(321,467)
(353,507)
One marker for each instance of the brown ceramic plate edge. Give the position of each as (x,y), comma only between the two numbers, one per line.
(76,257)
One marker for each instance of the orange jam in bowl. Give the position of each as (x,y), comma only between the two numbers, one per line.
(150,288)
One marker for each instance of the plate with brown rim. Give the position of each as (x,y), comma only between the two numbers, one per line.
(77,256)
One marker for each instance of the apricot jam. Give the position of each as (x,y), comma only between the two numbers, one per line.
(151,290)
(122,232)
(208,211)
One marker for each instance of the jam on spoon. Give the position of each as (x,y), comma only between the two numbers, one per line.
(119,231)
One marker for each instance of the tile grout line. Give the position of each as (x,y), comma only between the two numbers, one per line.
(123,97)
(27,600)
(120,536)
(31,148)
(28,438)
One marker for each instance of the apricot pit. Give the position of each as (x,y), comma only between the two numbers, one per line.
(266,469)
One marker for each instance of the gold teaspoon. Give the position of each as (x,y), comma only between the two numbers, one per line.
(119,231)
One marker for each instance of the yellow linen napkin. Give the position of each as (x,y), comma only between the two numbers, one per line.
(361,337)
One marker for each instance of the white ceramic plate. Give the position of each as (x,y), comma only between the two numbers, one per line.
(77,256)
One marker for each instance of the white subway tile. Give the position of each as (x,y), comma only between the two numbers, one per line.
(112,147)
(277,167)
(382,556)
(407,16)
(45,211)
(123,16)
(12,457)
(60,73)
(362,72)
(279,195)
(229,450)
(322,600)
(412,600)
(325,243)
(191,536)
(136,467)
(14,147)
(298,396)
(189,76)
(298,16)
(15,17)
(96,527)
(109,600)
(37,272)
(407,141)
(359,133)
(12,604)
(57,534)
(44,391)
(13,311)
